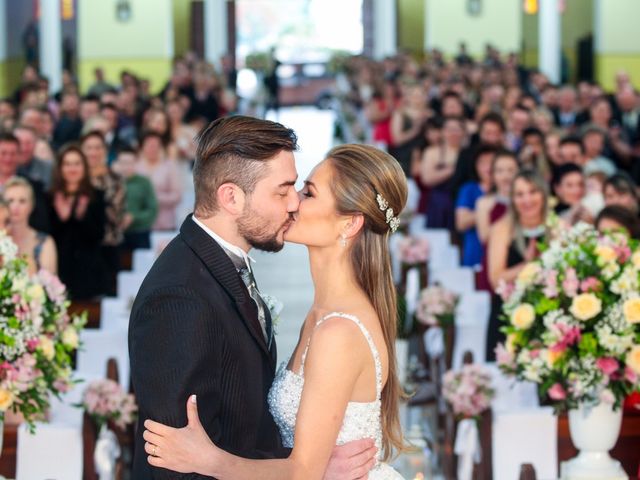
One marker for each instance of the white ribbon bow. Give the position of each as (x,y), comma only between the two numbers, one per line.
(467,447)
(106,453)
(412,293)
(434,342)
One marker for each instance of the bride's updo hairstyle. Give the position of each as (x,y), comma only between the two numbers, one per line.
(364,179)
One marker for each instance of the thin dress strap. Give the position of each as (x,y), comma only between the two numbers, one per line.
(367,336)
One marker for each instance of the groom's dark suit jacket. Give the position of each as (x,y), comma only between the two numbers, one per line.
(194,329)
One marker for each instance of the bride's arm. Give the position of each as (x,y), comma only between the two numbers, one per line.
(334,363)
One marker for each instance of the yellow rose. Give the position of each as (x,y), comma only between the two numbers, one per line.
(6,399)
(36,292)
(47,348)
(635,259)
(523,316)
(606,253)
(528,273)
(585,306)
(551,357)
(631,310)
(70,337)
(633,359)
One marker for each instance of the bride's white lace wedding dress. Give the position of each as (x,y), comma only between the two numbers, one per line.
(361,419)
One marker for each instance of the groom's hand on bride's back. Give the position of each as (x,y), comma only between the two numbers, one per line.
(352,461)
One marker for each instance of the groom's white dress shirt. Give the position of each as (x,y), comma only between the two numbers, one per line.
(224,244)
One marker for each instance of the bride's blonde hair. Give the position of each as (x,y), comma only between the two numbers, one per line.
(360,174)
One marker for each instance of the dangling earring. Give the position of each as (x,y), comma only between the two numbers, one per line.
(343,240)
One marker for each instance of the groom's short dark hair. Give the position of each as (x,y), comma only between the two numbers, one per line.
(233,150)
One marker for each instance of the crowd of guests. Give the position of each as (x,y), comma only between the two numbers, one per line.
(495,149)
(84,178)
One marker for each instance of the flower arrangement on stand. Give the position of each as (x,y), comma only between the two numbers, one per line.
(112,410)
(573,327)
(37,337)
(437,306)
(468,391)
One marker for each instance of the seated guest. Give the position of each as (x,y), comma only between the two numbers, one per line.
(141,203)
(620,189)
(532,154)
(492,207)
(469,194)
(437,168)
(78,221)
(593,141)
(568,186)
(513,242)
(33,168)
(9,155)
(616,217)
(38,247)
(69,125)
(165,177)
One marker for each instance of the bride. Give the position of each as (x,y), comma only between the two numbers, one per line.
(340,383)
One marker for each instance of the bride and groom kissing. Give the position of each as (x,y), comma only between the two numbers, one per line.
(203,357)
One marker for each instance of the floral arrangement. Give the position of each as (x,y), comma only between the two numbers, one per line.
(105,400)
(437,306)
(37,336)
(573,319)
(468,390)
(413,250)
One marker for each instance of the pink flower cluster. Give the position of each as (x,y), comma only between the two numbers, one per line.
(413,250)
(56,290)
(435,303)
(106,400)
(468,390)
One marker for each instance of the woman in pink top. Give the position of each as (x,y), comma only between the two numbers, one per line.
(165,177)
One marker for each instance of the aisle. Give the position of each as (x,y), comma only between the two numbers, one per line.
(285,275)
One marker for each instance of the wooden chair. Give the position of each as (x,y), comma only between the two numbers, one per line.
(9,451)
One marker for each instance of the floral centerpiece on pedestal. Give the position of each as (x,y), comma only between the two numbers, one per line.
(413,251)
(573,327)
(37,336)
(469,393)
(437,306)
(109,406)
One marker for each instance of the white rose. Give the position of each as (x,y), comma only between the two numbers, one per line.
(36,292)
(70,337)
(47,347)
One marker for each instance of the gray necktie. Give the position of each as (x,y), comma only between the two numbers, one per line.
(263,315)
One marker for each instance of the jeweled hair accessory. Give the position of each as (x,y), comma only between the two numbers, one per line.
(391,219)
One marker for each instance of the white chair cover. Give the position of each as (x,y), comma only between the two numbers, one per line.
(472,318)
(459,280)
(53,452)
(100,345)
(114,313)
(63,411)
(523,432)
(129,284)
(143,260)
(159,240)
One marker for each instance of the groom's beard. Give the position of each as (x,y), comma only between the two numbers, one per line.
(260,233)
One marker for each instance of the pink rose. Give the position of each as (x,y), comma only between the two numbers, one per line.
(607,365)
(623,252)
(503,356)
(556,392)
(590,284)
(570,283)
(630,376)
(551,283)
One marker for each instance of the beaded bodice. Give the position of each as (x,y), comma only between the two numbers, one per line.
(361,419)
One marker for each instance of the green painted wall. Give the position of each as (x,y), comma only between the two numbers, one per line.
(498,23)
(181,25)
(411,27)
(143,44)
(577,22)
(10,73)
(618,47)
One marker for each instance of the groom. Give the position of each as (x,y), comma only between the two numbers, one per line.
(199,325)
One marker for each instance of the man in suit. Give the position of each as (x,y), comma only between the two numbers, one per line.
(198,325)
